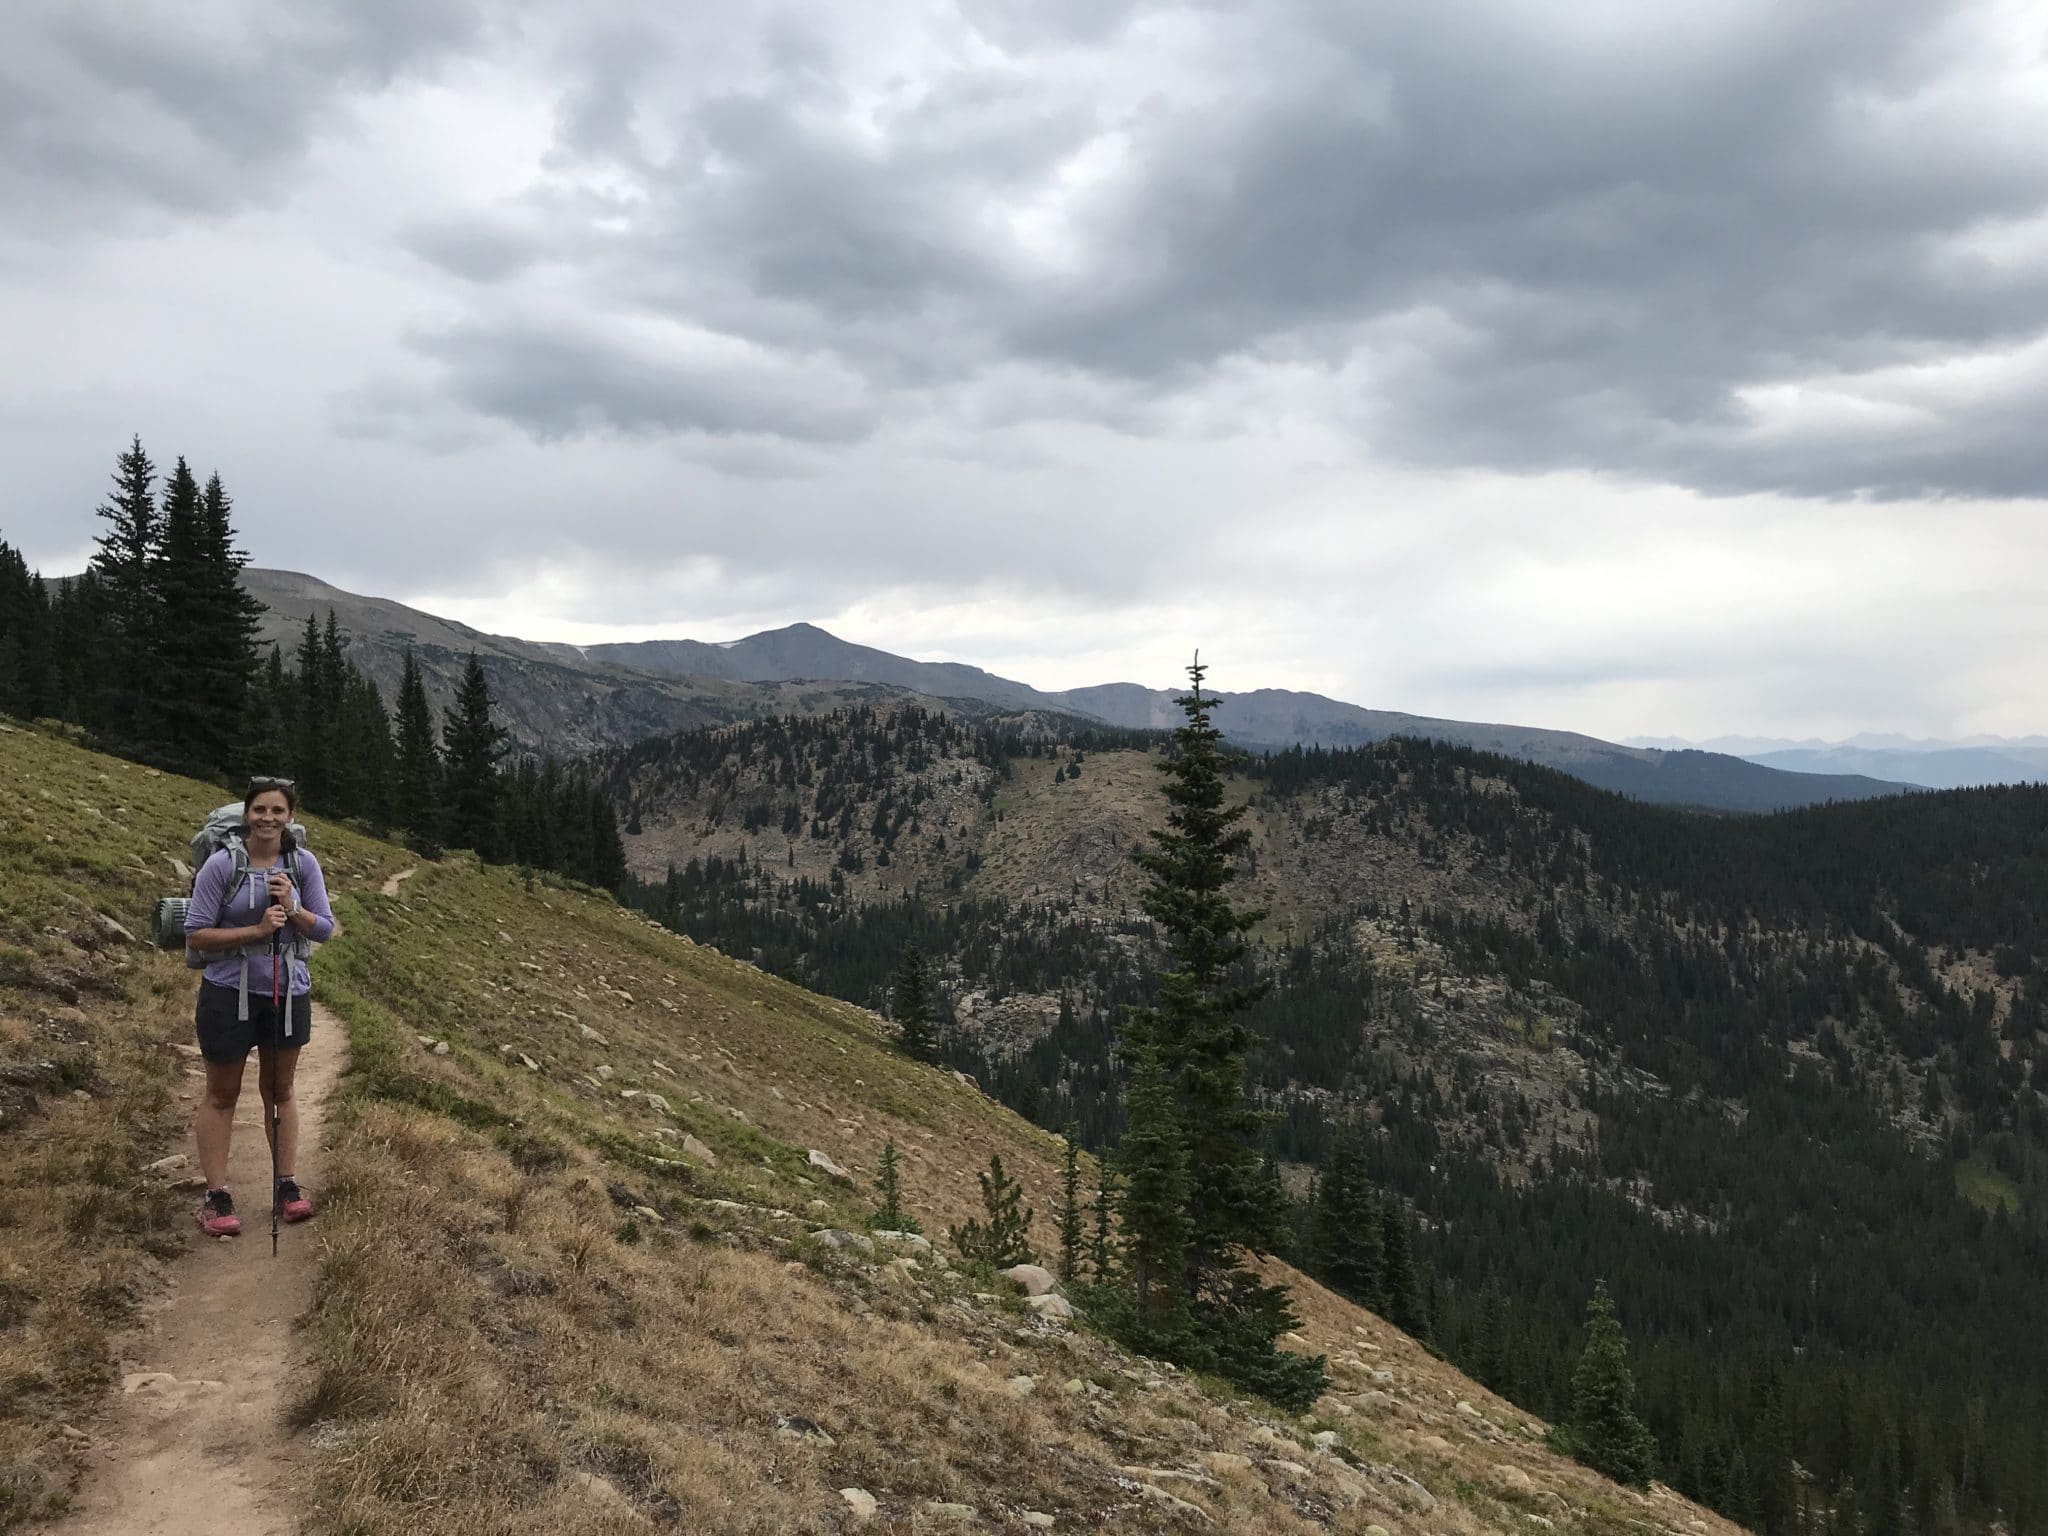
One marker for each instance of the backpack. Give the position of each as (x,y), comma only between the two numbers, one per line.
(223,828)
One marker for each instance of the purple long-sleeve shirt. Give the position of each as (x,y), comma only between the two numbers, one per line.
(214,906)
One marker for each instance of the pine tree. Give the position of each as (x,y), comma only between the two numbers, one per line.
(306,727)
(1491,1354)
(891,1217)
(1603,1430)
(123,568)
(182,725)
(266,739)
(1102,1259)
(910,999)
(416,790)
(472,743)
(1201,1042)
(1405,1308)
(1345,1249)
(1070,1207)
(231,652)
(1005,1239)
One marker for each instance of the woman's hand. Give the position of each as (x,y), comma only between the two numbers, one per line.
(273,919)
(281,888)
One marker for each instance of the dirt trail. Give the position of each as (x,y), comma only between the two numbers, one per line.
(390,887)
(195,1440)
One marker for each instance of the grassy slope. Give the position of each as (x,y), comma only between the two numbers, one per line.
(537,1312)
(92,1085)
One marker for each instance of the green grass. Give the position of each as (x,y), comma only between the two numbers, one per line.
(1985,1187)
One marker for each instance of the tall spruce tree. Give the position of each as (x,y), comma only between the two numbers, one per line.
(229,647)
(1345,1246)
(1405,1307)
(910,999)
(1195,1040)
(1070,1218)
(471,743)
(416,792)
(183,728)
(123,566)
(1196,1027)
(1603,1430)
(1102,1259)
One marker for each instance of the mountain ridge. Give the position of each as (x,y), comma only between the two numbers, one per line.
(645,687)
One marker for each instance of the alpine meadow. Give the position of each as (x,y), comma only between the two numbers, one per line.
(981,766)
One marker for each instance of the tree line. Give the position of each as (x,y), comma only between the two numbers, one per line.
(153,652)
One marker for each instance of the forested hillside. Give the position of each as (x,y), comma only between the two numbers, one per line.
(1778,1080)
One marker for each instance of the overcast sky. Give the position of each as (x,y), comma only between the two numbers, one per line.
(1628,366)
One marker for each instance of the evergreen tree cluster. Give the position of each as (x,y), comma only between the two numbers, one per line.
(153,650)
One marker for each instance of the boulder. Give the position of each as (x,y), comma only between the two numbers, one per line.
(1037,1519)
(1226,1462)
(1376,1400)
(860,1504)
(1032,1279)
(692,1147)
(915,1241)
(1326,1440)
(1512,1476)
(952,1514)
(826,1166)
(1052,1306)
(845,1242)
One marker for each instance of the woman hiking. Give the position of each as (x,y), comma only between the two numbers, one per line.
(246,927)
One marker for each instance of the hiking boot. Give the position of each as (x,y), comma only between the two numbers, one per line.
(217,1216)
(292,1203)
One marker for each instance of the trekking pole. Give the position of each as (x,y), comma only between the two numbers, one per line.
(276,1051)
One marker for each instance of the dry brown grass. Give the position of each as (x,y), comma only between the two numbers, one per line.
(503,1323)
(92,1083)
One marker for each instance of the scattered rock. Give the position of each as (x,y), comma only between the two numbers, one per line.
(957,1514)
(1032,1278)
(440,1047)
(1037,1519)
(605,1494)
(1382,1378)
(177,1162)
(859,1503)
(829,1168)
(114,930)
(1053,1306)
(147,1381)
(604,1072)
(790,1427)
(648,1211)
(657,1102)
(915,1241)
(1288,1468)
(592,1036)
(1023,1386)
(841,1242)
(1226,1461)
(528,1062)
(1179,1506)
(1512,1476)
(1375,1400)
(1326,1440)
(692,1147)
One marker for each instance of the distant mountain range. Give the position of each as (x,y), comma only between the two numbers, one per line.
(568,699)
(1934,763)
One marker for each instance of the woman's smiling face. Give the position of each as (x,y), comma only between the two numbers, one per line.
(269,813)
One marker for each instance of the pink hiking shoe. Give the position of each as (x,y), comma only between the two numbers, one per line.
(217,1216)
(292,1203)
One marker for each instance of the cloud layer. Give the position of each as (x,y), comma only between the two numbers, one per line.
(1041,307)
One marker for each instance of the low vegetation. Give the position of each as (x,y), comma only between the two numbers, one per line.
(595,1256)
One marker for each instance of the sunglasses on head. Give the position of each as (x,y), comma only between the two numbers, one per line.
(258,785)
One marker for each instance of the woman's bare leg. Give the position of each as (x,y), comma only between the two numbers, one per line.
(214,1123)
(275,1073)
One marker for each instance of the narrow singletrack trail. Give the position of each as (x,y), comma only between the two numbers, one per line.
(390,887)
(195,1443)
